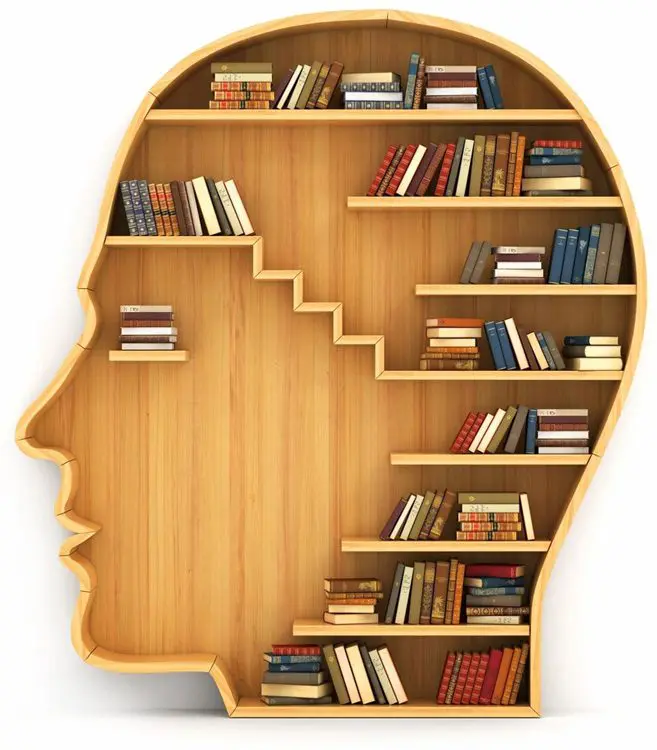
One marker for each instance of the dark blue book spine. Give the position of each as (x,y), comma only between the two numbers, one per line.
(591,254)
(138,207)
(494,87)
(558,253)
(410,81)
(148,208)
(569,257)
(495,346)
(532,429)
(541,161)
(490,582)
(307,667)
(550,151)
(546,350)
(129,210)
(484,88)
(293,658)
(577,341)
(507,351)
(580,255)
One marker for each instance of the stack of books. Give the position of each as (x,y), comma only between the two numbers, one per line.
(493,516)
(241,85)
(513,348)
(426,593)
(451,87)
(587,255)
(308,86)
(415,81)
(555,168)
(147,328)
(352,601)
(511,429)
(592,353)
(514,264)
(295,677)
(419,517)
(364,675)
(485,583)
(452,344)
(372,91)
(201,206)
(483,678)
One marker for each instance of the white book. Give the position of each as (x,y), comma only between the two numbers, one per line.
(563,413)
(404,595)
(563,435)
(494,619)
(401,521)
(480,433)
(453,333)
(205,204)
(412,169)
(594,363)
(527,516)
(464,170)
(296,93)
(229,208)
(563,450)
(243,77)
(538,351)
(288,89)
(151,331)
(146,308)
(373,77)
(452,342)
(518,250)
(506,274)
(519,266)
(193,207)
(236,200)
(450,105)
(373,96)
(492,428)
(489,508)
(393,676)
(347,675)
(360,675)
(469,69)
(458,91)
(146,347)
(516,344)
(410,519)
(383,676)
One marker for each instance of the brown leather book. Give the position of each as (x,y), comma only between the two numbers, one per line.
(520,157)
(431,516)
(458,99)
(422,169)
(419,84)
(489,163)
(157,211)
(454,364)
(319,85)
(448,502)
(529,352)
(282,86)
(516,431)
(171,208)
(500,682)
(417,590)
(351,585)
(353,595)
(524,653)
(178,206)
(511,168)
(502,430)
(394,517)
(477,168)
(458,594)
(186,210)
(616,254)
(513,669)
(431,171)
(440,585)
(501,161)
(427,593)
(451,590)
(455,675)
(429,496)
(330,85)
(392,168)
(164,209)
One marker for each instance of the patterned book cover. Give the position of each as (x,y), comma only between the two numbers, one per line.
(171,209)
(124,188)
(148,208)
(330,84)
(431,516)
(164,209)
(240,86)
(470,678)
(318,86)
(381,172)
(138,208)
(419,84)
(451,590)
(462,677)
(228,96)
(513,669)
(426,180)
(445,169)
(458,594)
(511,168)
(448,502)
(463,432)
(489,162)
(520,158)
(524,654)
(479,678)
(448,668)
(500,166)
(413,64)
(441,583)
(401,169)
(453,677)
(427,593)
(239,105)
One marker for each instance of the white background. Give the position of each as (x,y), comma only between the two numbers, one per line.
(72,75)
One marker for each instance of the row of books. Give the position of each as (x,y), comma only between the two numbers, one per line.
(587,255)
(419,517)
(351,601)
(201,206)
(513,348)
(483,677)
(308,86)
(147,328)
(460,86)
(543,431)
(513,264)
(452,344)
(556,168)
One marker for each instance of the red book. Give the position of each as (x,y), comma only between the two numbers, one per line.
(558,144)
(470,679)
(463,432)
(401,169)
(444,170)
(460,680)
(444,681)
(431,170)
(292,649)
(493,570)
(479,679)
(382,170)
(494,661)
(473,431)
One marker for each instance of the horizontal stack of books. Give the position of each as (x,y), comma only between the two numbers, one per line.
(587,255)
(451,87)
(308,86)
(372,91)
(201,206)
(512,348)
(484,677)
(426,593)
(453,344)
(514,264)
(485,583)
(147,328)
(352,601)
(503,431)
(494,517)
(295,677)
(364,675)
(241,85)
(555,168)
(419,517)
(592,353)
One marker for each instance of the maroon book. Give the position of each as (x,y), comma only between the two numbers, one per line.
(421,169)
(401,169)
(390,523)
(460,680)
(282,85)
(431,170)
(444,170)
(473,431)
(447,675)
(463,432)
(490,677)
(493,570)
(381,172)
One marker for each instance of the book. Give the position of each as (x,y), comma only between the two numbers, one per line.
(280,700)
(520,157)
(413,165)
(205,205)
(488,582)
(580,255)
(453,677)
(417,588)
(546,350)
(488,166)
(386,77)
(432,169)
(382,675)
(502,430)
(616,254)
(470,678)
(421,170)
(602,256)
(497,570)
(419,84)
(470,261)
(569,256)
(490,678)
(360,675)
(557,256)
(527,516)
(441,183)
(594,364)
(375,684)
(392,520)
(350,619)
(524,653)
(463,432)
(537,350)
(494,86)
(453,332)
(458,594)
(404,534)
(517,428)
(539,161)
(476,441)
(480,265)
(511,168)
(479,678)
(580,341)
(193,207)
(502,674)
(492,429)
(296,691)
(495,345)
(441,583)
(330,84)
(591,253)
(336,674)
(219,210)
(392,168)
(500,166)
(403,517)
(311,78)
(238,205)
(427,593)
(351,608)
(516,345)
(477,165)
(425,506)
(401,169)
(448,669)
(505,344)
(318,86)
(592,351)
(381,172)
(393,599)
(273,677)
(513,668)
(504,600)
(347,675)
(431,516)
(343,585)
(484,88)
(404,595)
(281,101)
(461,678)
(495,620)
(456,165)
(474,431)
(483,611)
(293,649)
(464,171)
(393,676)
(413,64)
(451,590)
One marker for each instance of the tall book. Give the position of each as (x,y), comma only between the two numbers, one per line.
(330,84)
(413,64)
(238,205)
(489,165)
(464,170)
(501,162)
(393,676)
(616,254)
(336,674)
(456,165)
(360,674)
(205,204)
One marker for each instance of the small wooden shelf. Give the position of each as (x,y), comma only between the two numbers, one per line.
(501,459)
(312,628)
(254,708)
(544,375)
(363,203)
(182,241)
(517,290)
(177,355)
(374,544)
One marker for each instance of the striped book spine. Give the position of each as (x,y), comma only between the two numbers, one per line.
(401,169)
(381,172)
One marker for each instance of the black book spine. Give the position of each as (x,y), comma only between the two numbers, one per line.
(394,594)
(371,673)
(219,209)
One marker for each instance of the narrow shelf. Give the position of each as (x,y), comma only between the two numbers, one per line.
(316,627)
(177,355)
(545,375)
(469,459)
(517,290)
(363,203)
(374,544)
(182,241)
(355,117)
(254,708)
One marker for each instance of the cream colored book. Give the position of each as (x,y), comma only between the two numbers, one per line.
(452,342)
(350,619)
(383,77)
(193,207)
(594,363)
(453,333)
(351,609)
(556,183)
(383,677)
(389,666)
(538,352)
(563,450)
(480,433)
(290,86)
(401,521)
(562,435)
(236,200)
(494,619)
(205,204)
(228,208)
(516,344)
(296,92)
(527,516)
(347,674)
(464,170)
(412,169)
(243,77)
(563,413)
(410,519)
(489,508)
(404,595)
(360,675)
(296,691)
(492,429)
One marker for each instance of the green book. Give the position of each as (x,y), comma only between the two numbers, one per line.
(336,674)
(422,515)
(502,430)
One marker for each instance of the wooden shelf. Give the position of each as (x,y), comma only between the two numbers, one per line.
(254,708)
(505,375)
(533,290)
(363,203)
(357,117)
(374,544)
(182,241)
(497,459)
(177,355)
(313,628)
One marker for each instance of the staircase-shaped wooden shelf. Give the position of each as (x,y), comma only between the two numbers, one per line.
(207,501)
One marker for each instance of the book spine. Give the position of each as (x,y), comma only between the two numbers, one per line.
(495,346)
(422,169)
(505,345)
(473,432)
(381,172)
(522,664)
(263,96)
(558,144)
(511,168)
(488,684)
(489,164)
(349,585)
(293,659)
(520,158)
(413,64)
(441,183)
(124,188)
(508,685)
(401,169)
(470,679)
(456,164)
(483,517)
(164,208)
(557,256)
(490,526)
(419,84)
(431,517)
(370,104)
(439,593)
(385,182)
(294,650)
(553,151)
(389,87)
(390,523)
(330,84)
(546,350)
(494,87)
(458,594)
(580,255)
(484,88)
(431,170)
(148,208)
(495,611)
(486,536)
(240,86)
(303,667)
(252,104)
(539,161)
(460,680)
(498,187)
(319,86)
(616,254)
(451,590)
(463,432)
(171,209)
(140,217)
(157,211)
(448,669)
(427,593)
(453,677)
(479,679)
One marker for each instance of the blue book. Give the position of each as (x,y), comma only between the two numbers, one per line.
(138,206)
(532,429)
(569,257)
(310,666)
(495,346)
(507,351)
(546,350)
(550,151)
(292,658)
(558,253)
(499,591)
(580,255)
(489,582)
(541,161)
(591,254)
(484,88)
(410,81)
(494,87)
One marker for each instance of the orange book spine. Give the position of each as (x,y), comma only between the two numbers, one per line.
(522,665)
(486,536)
(451,590)
(166,219)
(488,517)
(171,208)
(239,105)
(508,685)
(452,350)
(157,211)
(455,322)
(262,96)
(520,159)
(240,86)
(511,168)
(490,526)
(500,682)
(458,594)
